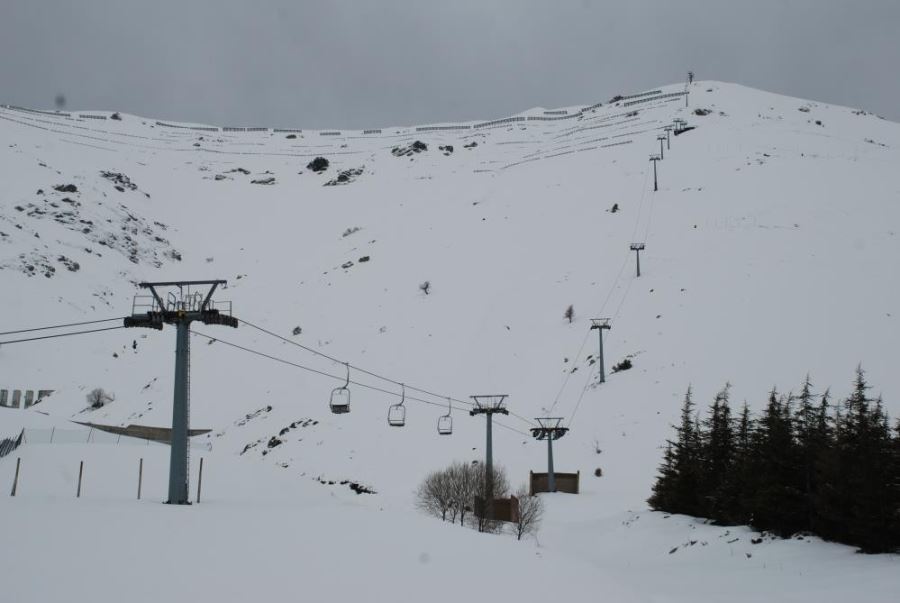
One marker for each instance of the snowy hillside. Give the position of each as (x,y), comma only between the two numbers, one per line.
(770,251)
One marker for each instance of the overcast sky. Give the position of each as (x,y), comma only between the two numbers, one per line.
(371,63)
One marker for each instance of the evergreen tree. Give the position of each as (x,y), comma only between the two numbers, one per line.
(812,433)
(663,489)
(864,445)
(777,501)
(830,469)
(894,488)
(743,477)
(830,504)
(678,488)
(718,485)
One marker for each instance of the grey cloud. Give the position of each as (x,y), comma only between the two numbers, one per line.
(372,63)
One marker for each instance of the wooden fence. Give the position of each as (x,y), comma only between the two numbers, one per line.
(565,482)
(505,509)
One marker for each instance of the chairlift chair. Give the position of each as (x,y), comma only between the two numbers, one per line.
(445,422)
(397,412)
(340,396)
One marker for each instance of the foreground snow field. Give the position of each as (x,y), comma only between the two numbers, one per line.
(769,254)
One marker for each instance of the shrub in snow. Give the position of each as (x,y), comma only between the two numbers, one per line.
(531,510)
(450,493)
(622,366)
(345,177)
(319,164)
(414,147)
(99,397)
(425,287)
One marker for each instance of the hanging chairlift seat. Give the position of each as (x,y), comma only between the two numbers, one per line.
(397,412)
(340,396)
(445,422)
(340,400)
(397,415)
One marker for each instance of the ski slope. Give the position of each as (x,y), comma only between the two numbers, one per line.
(769,254)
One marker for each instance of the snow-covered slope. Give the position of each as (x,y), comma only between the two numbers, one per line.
(769,254)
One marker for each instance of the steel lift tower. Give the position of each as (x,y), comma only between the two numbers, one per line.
(654,159)
(600,324)
(488,405)
(549,430)
(637,248)
(180,308)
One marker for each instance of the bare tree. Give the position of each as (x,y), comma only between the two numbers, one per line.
(99,397)
(531,511)
(435,495)
(425,287)
(499,489)
(464,486)
(450,494)
(570,313)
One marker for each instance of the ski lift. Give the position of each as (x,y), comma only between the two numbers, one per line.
(397,412)
(340,396)
(445,422)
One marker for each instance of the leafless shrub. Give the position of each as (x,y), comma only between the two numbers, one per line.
(99,397)
(499,489)
(450,494)
(435,494)
(531,511)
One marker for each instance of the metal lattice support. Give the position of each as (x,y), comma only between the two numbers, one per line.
(180,309)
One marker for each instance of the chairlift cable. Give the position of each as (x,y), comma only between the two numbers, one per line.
(71,324)
(587,334)
(338,377)
(354,367)
(637,220)
(644,189)
(61,335)
(580,397)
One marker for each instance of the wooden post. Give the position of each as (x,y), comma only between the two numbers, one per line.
(140,476)
(80,472)
(52,431)
(16,478)
(200,480)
